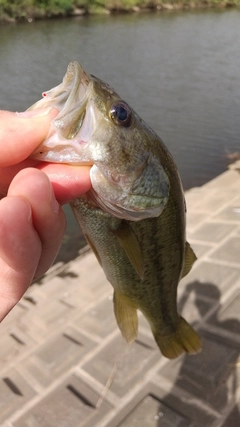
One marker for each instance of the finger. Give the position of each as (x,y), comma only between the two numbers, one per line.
(20,251)
(69,182)
(20,134)
(47,216)
(7,174)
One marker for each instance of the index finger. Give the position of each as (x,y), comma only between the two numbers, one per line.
(21,133)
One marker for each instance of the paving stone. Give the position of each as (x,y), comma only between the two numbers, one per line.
(77,299)
(68,290)
(72,404)
(91,275)
(193,196)
(14,344)
(13,318)
(56,286)
(56,355)
(194,308)
(194,219)
(153,407)
(208,202)
(229,213)
(209,279)
(132,362)
(83,277)
(228,251)
(99,320)
(228,316)
(228,180)
(151,412)
(233,420)
(200,249)
(81,298)
(208,375)
(46,318)
(14,393)
(213,231)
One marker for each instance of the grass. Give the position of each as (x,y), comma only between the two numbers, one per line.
(12,10)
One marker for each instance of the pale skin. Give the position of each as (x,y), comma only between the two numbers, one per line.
(32,222)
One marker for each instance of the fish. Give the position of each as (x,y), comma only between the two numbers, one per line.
(134,216)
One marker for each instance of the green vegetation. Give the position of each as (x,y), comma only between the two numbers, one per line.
(12,10)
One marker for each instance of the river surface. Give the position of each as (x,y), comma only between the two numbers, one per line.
(179,70)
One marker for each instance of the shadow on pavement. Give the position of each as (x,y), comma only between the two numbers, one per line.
(212,375)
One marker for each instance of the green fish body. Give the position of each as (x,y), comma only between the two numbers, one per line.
(134,216)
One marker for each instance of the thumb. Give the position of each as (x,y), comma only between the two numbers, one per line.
(21,133)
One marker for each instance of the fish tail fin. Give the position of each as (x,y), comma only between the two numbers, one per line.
(126,316)
(184,339)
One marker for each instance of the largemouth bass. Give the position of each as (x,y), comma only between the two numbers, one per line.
(134,216)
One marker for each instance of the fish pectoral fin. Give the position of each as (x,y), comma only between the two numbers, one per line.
(190,259)
(126,316)
(184,339)
(129,242)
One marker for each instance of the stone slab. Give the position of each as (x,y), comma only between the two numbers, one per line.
(72,404)
(228,252)
(99,320)
(213,231)
(56,356)
(14,393)
(154,407)
(132,362)
(208,375)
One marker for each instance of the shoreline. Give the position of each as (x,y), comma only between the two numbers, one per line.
(32,12)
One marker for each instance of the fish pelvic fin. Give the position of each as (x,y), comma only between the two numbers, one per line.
(185,339)
(129,242)
(126,316)
(190,259)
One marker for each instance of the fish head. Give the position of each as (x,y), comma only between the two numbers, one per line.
(96,127)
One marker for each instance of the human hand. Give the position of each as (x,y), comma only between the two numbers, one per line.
(32,222)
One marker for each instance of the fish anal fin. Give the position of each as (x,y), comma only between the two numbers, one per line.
(129,242)
(184,340)
(190,258)
(126,316)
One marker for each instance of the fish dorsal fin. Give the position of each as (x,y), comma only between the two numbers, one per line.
(129,242)
(126,316)
(190,258)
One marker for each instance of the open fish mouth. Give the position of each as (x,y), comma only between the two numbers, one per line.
(72,128)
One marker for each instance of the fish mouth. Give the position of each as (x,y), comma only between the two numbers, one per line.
(71,130)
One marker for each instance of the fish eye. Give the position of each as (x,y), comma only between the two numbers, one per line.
(121,114)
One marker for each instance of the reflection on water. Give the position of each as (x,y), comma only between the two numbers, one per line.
(178,70)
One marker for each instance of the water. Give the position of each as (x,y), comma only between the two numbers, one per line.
(178,70)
